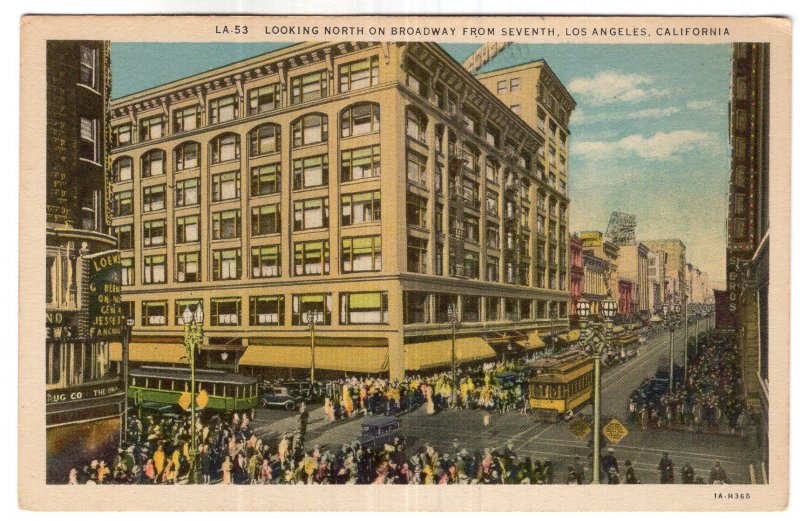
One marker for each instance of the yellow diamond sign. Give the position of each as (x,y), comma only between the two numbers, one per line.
(202,399)
(185,401)
(580,428)
(614,431)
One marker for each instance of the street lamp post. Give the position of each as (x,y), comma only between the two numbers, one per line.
(452,317)
(553,314)
(593,337)
(672,319)
(697,316)
(311,319)
(127,326)
(192,340)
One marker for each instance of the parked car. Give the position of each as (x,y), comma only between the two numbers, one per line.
(279,397)
(377,431)
(303,390)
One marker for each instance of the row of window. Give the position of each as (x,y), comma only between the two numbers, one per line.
(308,214)
(467,265)
(312,86)
(358,254)
(421,308)
(307,172)
(270,310)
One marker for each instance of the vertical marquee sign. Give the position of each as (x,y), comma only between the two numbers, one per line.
(105,303)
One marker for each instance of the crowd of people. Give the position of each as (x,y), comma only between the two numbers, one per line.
(492,387)
(229,453)
(709,398)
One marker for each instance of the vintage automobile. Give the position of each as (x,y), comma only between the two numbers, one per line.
(376,431)
(279,397)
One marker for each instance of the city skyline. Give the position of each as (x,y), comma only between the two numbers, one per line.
(634,116)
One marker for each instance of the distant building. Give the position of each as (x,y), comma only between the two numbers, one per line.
(595,281)
(748,225)
(595,244)
(82,289)
(674,268)
(576,276)
(657,279)
(633,264)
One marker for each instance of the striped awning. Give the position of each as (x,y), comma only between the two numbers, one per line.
(358,359)
(438,353)
(150,352)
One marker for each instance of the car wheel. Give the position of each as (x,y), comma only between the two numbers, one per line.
(289,406)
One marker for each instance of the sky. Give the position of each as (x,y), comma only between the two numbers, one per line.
(648,136)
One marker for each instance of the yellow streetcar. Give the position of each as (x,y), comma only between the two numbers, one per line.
(560,383)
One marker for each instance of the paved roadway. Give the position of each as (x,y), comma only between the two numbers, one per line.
(466,429)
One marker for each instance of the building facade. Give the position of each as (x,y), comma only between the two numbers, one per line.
(748,226)
(576,275)
(657,279)
(83,314)
(595,282)
(595,244)
(674,267)
(633,266)
(367,187)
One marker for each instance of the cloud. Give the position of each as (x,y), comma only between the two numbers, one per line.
(582,117)
(702,104)
(660,146)
(607,87)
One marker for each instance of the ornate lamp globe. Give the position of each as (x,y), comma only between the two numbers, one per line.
(582,308)
(609,307)
(198,314)
(187,316)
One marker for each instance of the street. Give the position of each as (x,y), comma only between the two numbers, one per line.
(465,429)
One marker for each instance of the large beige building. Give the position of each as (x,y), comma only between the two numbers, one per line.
(674,268)
(369,186)
(633,266)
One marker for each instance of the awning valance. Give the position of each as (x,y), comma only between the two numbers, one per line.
(437,353)
(535,341)
(334,358)
(150,352)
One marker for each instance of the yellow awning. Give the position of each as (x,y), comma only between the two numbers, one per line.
(335,358)
(437,353)
(535,341)
(572,336)
(149,352)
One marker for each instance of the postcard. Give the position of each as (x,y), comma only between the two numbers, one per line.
(509,255)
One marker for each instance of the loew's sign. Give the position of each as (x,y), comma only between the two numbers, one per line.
(105,302)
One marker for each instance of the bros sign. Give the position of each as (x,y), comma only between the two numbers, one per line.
(105,304)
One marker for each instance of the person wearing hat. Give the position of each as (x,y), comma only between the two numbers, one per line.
(613,476)
(718,475)
(609,461)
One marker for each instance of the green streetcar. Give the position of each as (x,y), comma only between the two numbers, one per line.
(229,392)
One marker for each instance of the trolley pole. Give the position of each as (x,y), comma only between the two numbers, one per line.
(671,359)
(598,355)
(452,317)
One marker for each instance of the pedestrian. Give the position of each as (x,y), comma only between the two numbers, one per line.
(630,474)
(718,475)
(687,474)
(667,470)
(227,467)
(613,476)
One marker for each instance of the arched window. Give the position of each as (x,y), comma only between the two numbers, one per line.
(309,130)
(416,124)
(361,119)
(122,169)
(225,148)
(154,163)
(265,139)
(187,155)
